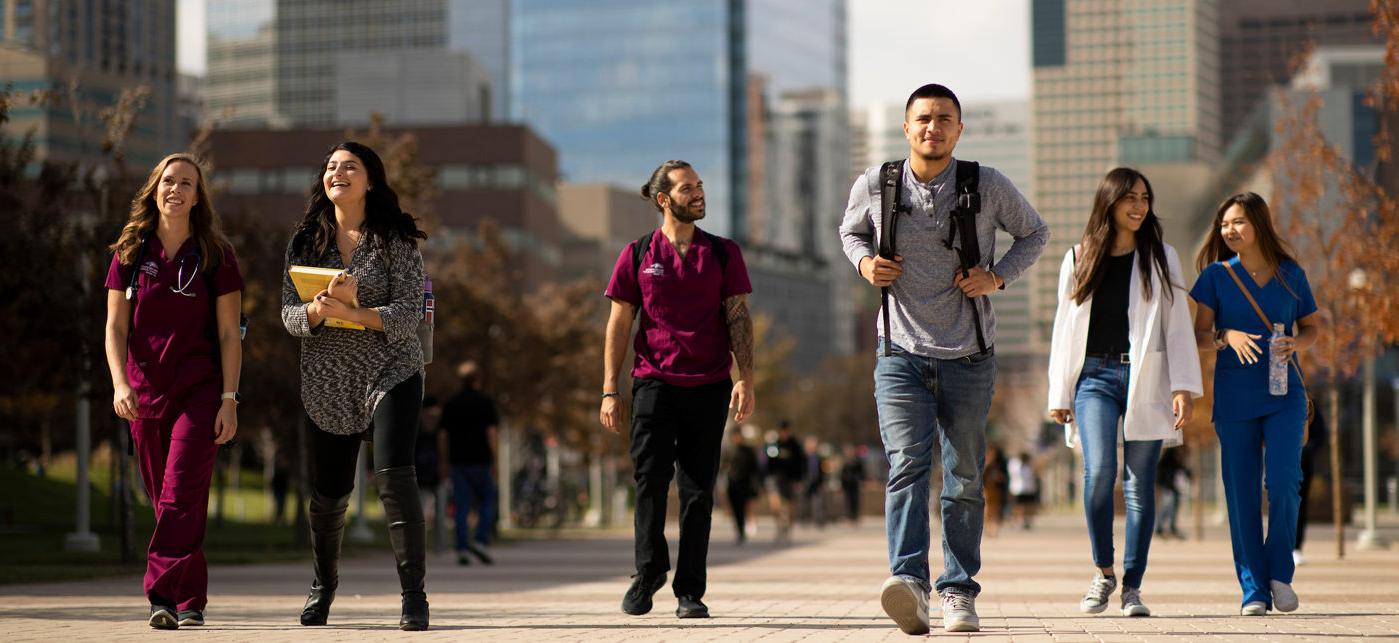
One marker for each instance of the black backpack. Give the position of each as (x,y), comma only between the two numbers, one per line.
(643,243)
(963,220)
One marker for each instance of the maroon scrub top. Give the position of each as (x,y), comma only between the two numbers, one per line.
(683,339)
(170,356)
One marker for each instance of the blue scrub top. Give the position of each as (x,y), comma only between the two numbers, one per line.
(1241,390)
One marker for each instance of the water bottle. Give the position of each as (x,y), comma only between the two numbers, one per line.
(429,302)
(1277,364)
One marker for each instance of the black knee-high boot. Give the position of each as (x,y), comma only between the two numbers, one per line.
(398,490)
(327,518)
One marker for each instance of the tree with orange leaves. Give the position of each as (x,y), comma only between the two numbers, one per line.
(1343,219)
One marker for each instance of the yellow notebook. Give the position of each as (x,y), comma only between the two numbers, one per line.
(310,280)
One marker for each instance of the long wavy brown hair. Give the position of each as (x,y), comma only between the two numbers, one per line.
(1096,244)
(203,220)
(1271,245)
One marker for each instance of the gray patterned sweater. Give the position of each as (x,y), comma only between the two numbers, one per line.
(345,373)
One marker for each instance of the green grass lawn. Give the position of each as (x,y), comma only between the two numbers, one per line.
(36,513)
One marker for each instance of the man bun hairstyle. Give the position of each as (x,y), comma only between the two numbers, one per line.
(660,182)
(933,90)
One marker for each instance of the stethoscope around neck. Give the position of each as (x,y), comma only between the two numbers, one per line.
(181,285)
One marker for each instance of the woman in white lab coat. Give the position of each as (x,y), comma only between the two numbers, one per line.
(1123,349)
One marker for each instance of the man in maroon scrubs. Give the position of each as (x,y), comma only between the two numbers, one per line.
(691,288)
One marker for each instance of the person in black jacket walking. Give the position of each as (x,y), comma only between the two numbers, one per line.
(742,476)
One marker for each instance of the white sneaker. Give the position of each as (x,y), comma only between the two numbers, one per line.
(1297,560)
(905,602)
(1096,600)
(1254,608)
(1132,602)
(1284,599)
(959,612)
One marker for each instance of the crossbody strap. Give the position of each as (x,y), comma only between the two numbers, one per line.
(1259,309)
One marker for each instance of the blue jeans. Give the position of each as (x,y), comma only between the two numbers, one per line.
(921,399)
(1099,403)
(1242,453)
(472,484)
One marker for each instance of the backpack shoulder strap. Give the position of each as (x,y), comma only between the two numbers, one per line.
(890,180)
(638,252)
(719,248)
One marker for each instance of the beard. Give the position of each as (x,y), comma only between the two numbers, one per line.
(688,213)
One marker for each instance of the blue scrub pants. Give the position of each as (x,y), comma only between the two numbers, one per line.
(1272,444)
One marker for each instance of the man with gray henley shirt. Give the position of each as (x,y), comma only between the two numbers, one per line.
(936,382)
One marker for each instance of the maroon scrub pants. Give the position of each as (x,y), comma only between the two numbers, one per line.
(177,462)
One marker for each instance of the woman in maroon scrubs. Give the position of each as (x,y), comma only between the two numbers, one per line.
(173,349)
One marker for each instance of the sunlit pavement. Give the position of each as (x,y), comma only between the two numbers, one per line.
(823,587)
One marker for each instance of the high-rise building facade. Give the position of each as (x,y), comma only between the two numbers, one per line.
(618,86)
(320,63)
(91,52)
(1261,41)
(1115,83)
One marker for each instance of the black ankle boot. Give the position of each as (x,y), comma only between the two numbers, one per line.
(398,490)
(327,518)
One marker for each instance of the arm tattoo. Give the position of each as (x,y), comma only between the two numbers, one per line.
(740,333)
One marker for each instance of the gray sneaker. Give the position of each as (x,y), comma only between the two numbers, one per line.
(905,602)
(1096,600)
(1284,599)
(1254,608)
(1132,602)
(959,612)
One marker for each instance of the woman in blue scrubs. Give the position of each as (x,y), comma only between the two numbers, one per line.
(1246,415)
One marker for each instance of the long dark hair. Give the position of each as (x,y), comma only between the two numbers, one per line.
(141,221)
(1271,245)
(384,220)
(1098,235)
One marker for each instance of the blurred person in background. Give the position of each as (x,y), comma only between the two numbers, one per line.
(468,436)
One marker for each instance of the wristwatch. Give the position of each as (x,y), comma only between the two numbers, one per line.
(1219,342)
(233,395)
(611,394)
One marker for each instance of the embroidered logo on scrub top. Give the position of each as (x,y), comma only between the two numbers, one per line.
(151,269)
(655,270)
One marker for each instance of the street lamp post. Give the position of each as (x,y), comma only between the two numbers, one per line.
(83,538)
(1370,537)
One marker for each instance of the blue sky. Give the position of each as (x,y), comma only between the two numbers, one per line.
(980,49)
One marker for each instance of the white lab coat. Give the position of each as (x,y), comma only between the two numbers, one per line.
(1163,352)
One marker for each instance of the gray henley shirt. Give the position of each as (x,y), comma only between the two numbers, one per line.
(931,317)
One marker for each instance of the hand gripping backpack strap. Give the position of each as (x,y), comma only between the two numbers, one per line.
(890,177)
(964,225)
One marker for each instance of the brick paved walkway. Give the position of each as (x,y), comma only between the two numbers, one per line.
(823,588)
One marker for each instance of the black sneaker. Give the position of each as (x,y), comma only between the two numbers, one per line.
(163,618)
(190,618)
(463,558)
(637,600)
(691,607)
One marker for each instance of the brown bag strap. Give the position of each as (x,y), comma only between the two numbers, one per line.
(1259,309)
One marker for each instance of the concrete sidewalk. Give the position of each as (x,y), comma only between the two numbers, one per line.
(822,588)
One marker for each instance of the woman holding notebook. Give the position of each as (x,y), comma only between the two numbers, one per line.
(172,338)
(1249,282)
(361,364)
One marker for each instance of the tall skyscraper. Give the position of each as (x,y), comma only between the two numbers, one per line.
(618,86)
(320,63)
(99,49)
(1260,41)
(1129,83)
